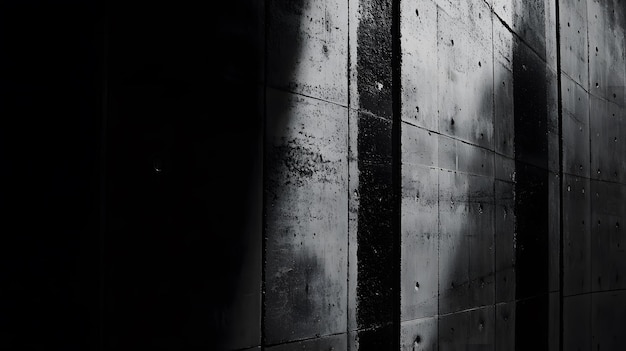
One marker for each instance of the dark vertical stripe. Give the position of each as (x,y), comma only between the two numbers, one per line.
(377,235)
(531,197)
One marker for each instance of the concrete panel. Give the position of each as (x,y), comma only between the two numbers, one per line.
(419,146)
(577,322)
(420,242)
(418,23)
(608,239)
(608,144)
(529,22)
(534,21)
(608,318)
(466,259)
(332,342)
(576,235)
(575,128)
(470,330)
(574,48)
(306,201)
(505,326)
(466,78)
(460,156)
(309,59)
(606,50)
(420,334)
(504,241)
(475,16)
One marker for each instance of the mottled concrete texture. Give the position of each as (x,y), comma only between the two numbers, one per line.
(443,175)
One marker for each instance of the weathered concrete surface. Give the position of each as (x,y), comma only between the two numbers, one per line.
(466,228)
(307,48)
(473,329)
(465,64)
(419,59)
(576,235)
(377,237)
(306,202)
(497,154)
(575,128)
(606,49)
(419,334)
(608,238)
(606,132)
(487,165)
(420,243)
(573,35)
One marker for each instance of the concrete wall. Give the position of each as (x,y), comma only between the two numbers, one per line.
(480,200)
(314,175)
(505,169)
(592,76)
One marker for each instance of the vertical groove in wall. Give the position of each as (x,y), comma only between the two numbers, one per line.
(266,16)
(376,234)
(560,137)
(396,152)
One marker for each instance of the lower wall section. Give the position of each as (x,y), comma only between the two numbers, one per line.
(306,204)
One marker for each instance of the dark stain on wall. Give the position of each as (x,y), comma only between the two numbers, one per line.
(376,285)
(530,91)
